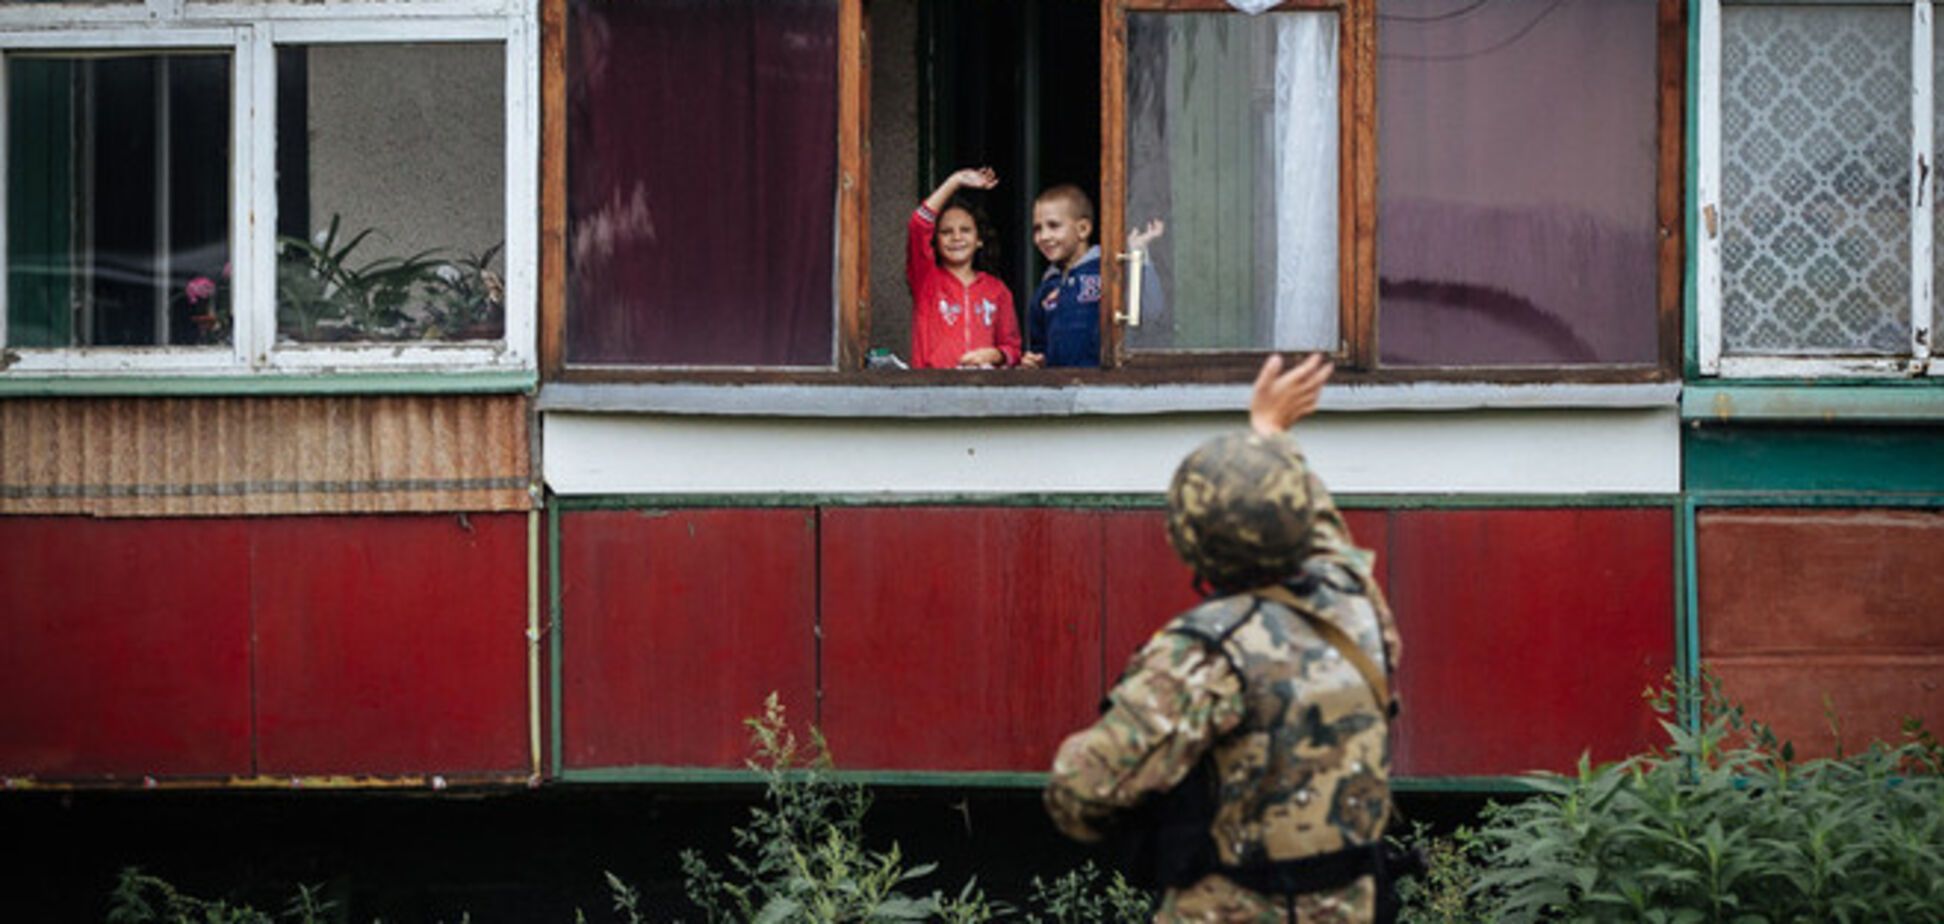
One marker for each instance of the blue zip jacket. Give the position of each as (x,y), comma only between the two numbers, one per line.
(1064,319)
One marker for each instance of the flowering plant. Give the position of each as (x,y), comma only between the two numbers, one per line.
(209,306)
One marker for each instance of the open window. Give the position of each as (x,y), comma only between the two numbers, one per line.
(1817,190)
(1451,191)
(243,188)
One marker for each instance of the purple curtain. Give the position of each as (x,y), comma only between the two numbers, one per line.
(1516,215)
(701,174)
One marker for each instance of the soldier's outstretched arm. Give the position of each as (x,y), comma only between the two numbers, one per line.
(1176,699)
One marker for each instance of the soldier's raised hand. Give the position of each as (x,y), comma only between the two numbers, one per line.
(1282,398)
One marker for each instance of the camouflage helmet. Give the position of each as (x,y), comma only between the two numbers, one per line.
(1239,511)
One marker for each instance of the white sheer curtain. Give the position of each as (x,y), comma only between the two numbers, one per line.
(1304,161)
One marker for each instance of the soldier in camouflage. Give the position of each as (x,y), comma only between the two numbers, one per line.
(1255,686)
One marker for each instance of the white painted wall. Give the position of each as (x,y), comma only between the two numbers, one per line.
(1628,451)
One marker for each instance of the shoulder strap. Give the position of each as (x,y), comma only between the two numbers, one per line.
(1338,639)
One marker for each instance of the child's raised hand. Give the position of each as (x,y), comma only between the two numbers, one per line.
(976,178)
(1279,400)
(1145,234)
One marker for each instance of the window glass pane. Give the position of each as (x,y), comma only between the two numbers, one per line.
(1516,183)
(1232,129)
(390,192)
(702,162)
(118,191)
(1815,179)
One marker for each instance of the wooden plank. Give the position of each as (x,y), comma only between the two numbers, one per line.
(1359,239)
(1113,178)
(676,625)
(271,455)
(553,187)
(1826,703)
(1671,179)
(958,639)
(127,648)
(853,185)
(1780,581)
(390,645)
(1529,635)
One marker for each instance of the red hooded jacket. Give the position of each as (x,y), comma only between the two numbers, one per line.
(950,318)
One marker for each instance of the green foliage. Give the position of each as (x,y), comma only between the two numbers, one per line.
(1721,825)
(1081,897)
(324,292)
(1443,894)
(140,898)
(802,857)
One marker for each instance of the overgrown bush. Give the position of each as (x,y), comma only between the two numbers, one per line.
(140,898)
(1720,825)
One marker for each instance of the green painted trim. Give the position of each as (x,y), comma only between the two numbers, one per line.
(1815,500)
(1834,459)
(1742,401)
(1690,199)
(377,383)
(645,502)
(714,776)
(1688,641)
(553,635)
(1481,785)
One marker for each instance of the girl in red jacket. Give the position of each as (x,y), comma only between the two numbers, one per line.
(960,317)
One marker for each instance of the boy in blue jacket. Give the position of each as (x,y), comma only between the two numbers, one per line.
(1063,319)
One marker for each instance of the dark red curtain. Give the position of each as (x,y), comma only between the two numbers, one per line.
(701,162)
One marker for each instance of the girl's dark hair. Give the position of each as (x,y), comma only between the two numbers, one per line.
(986,258)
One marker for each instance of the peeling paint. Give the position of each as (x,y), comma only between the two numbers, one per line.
(1724,406)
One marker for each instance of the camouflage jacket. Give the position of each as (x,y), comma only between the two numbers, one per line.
(1299,745)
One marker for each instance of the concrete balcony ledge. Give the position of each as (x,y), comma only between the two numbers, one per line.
(856,401)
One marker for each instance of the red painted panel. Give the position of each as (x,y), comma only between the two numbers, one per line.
(675,625)
(959,639)
(126,649)
(1529,635)
(1147,584)
(1816,580)
(1868,698)
(391,644)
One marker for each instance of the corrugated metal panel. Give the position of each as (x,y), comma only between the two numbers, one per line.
(676,624)
(126,648)
(271,455)
(958,638)
(1528,635)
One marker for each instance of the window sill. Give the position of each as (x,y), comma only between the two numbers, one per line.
(377,383)
(960,401)
(1855,402)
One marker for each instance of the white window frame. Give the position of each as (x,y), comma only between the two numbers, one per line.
(1919,360)
(251,34)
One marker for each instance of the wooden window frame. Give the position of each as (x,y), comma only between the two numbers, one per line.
(251,34)
(1358,274)
(1711,359)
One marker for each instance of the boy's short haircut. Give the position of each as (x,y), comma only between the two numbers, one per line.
(1076,200)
